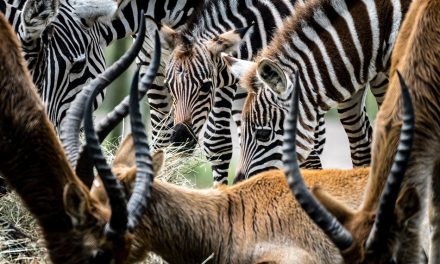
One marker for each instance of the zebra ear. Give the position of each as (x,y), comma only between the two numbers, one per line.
(75,204)
(168,37)
(36,15)
(228,41)
(94,10)
(271,74)
(237,67)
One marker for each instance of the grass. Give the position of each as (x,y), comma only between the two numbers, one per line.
(19,237)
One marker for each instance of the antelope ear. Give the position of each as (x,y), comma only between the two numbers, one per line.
(408,206)
(271,74)
(228,41)
(75,204)
(158,158)
(94,10)
(236,66)
(36,15)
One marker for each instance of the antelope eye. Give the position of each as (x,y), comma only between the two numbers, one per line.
(263,134)
(78,65)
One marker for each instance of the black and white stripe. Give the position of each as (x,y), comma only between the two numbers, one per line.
(69,52)
(337,48)
(202,89)
(187,77)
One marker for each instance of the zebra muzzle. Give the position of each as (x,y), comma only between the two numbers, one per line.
(183,136)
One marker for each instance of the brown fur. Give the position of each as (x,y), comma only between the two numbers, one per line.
(256,221)
(416,56)
(34,164)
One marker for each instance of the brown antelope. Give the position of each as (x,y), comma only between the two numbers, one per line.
(76,228)
(416,57)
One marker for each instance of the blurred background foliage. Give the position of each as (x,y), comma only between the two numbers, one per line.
(201,176)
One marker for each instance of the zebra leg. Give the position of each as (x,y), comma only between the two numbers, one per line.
(217,141)
(313,161)
(354,119)
(159,97)
(379,86)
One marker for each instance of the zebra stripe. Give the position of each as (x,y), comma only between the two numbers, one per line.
(69,51)
(216,19)
(187,77)
(318,46)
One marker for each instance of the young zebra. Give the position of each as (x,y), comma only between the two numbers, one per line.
(64,41)
(205,92)
(334,49)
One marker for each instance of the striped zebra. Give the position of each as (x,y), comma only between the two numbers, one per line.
(204,92)
(64,41)
(334,49)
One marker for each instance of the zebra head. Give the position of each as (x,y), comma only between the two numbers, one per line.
(192,74)
(63,42)
(266,107)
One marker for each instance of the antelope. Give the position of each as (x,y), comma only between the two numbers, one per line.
(75,226)
(415,65)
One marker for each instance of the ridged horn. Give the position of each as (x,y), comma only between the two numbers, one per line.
(144,167)
(112,119)
(71,127)
(329,224)
(118,221)
(384,216)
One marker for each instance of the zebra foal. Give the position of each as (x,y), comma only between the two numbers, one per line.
(330,50)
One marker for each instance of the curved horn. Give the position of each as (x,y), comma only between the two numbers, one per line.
(118,221)
(390,193)
(334,230)
(84,169)
(112,119)
(121,110)
(144,172)
(71,127)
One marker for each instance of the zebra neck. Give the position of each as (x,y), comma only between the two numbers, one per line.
(338,47)
(174,14)
(12,13)
(218,17)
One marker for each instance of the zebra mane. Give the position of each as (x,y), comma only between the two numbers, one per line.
(250,80)
(303,12)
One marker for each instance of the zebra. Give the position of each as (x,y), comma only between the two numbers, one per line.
(64,41)
(334,49)
(195,70)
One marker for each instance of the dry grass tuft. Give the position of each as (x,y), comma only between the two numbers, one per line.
(19,237)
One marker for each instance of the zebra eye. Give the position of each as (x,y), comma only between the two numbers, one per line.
(78,65)
(206,87)
(263,134)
